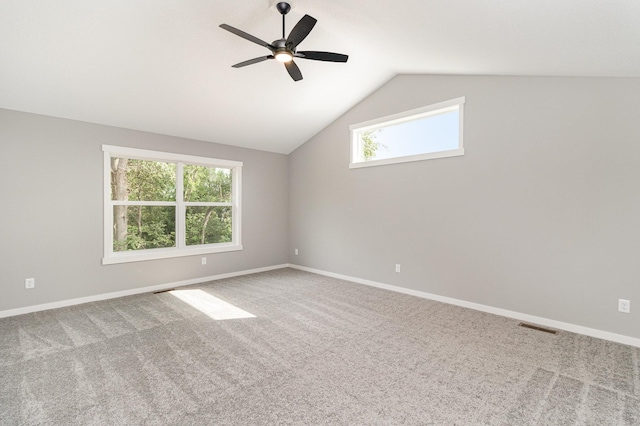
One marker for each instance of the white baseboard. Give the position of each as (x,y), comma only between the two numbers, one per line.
(96,298)
(618,338)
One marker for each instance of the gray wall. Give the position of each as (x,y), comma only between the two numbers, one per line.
(541,216)
(51,215)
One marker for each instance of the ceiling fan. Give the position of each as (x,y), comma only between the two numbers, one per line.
(284,49)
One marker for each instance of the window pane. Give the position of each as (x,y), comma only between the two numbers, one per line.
(141,180)
(426,133)
(208,225)
(143,227)
(434,133)
(207,184)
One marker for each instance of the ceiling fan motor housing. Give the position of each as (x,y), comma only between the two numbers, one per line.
(281,45)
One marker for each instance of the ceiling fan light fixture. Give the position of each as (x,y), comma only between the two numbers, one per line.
(284,56)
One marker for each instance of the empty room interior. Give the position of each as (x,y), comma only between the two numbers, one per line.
(355,212)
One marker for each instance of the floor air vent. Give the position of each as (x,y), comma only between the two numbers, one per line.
(164,291)
(535,327)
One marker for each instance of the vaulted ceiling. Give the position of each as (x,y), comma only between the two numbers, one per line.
(164,66)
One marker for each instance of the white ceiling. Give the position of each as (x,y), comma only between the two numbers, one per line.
(164,66)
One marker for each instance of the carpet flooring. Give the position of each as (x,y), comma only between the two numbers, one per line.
(317,351)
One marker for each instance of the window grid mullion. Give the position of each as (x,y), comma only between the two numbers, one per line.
(180,207)
(206,204)
(143,203)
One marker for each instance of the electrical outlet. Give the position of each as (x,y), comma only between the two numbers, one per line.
(397,267)
(296,251)
(30,283)
(624,306)
(204,260)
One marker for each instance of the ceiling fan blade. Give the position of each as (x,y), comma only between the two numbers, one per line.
(293,70)
(300,31)
(247,36)
(322,56)
(252,61)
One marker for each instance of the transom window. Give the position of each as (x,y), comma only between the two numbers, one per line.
(434,131)
(160,205)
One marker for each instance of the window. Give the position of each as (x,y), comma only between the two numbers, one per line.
(160,205)
(434,131)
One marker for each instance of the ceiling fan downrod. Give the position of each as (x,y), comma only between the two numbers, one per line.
(283,8)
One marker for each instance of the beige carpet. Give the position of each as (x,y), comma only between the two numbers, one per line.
(318,351)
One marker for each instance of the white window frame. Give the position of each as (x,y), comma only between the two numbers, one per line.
(356,160)
(181,249)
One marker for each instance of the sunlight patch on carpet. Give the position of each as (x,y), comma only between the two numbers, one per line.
(210,305)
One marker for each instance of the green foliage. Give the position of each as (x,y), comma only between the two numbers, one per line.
(150,181)
(206,184)
(148,227)
(208,225)
(369,145)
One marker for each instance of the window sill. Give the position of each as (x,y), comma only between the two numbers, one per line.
(420,157)
(168,253)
